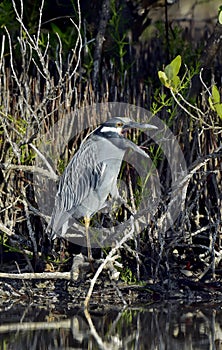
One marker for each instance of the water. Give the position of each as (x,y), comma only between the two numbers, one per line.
(156,327)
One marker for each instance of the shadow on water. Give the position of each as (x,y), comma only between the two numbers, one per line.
(158,326)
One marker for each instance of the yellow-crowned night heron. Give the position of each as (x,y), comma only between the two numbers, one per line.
(91,175)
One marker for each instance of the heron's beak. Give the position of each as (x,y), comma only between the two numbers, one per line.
(134,125)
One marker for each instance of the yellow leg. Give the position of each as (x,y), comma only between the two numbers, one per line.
(87,222)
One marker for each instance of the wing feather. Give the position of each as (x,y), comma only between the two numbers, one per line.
(83,173)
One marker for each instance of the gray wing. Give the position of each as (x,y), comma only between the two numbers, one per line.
(82,174)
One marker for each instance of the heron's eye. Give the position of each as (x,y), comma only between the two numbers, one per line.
(119,124)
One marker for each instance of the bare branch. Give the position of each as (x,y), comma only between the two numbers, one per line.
(52,172)
(40,23)
(41,275)
(29,168)
(6,230)
(110,258)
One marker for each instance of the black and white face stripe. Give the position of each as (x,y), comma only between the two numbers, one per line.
(111,129)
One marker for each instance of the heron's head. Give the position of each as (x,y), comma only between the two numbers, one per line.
(116,127)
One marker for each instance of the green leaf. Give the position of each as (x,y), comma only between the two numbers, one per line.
(211,103)
(220,15)
(163,78)
(173,68)
(219,110)
(175,82)
(176,64)
(215,94)
(214,101)
(169,72)
(169,77)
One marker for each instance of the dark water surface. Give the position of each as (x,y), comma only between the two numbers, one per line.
(158,326)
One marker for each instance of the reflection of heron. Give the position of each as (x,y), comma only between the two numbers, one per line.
(92,175)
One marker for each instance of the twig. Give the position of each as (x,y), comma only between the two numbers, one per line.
(78,41)
(110,257)
(2,52)
(203,83)
(53,174)
(14,146)
(40,23)
(6,230)
(190,114)
(30,168)
(38,275)
(29,225)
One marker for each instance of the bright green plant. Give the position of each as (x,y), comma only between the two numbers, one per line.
(170,77)
(128,276)
(215,101)
(171,80)
(220,15)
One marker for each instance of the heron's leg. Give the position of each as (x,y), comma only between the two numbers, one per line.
(87,222)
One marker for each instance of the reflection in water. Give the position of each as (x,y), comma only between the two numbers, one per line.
(163,326)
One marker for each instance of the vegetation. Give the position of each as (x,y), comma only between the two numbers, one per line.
(46,72)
